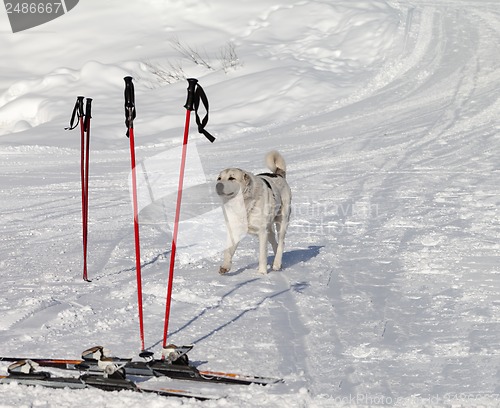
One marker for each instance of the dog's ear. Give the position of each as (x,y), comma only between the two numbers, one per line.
(248,184)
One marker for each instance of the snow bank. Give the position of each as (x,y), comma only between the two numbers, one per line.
(284,68)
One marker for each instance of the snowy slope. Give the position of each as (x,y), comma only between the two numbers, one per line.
(387,115)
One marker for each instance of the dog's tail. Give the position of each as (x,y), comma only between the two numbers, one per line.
(276,163)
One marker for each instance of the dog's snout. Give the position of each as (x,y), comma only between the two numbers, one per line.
(219,187)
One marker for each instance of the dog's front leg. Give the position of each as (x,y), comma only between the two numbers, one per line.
(263,252)
(228,258)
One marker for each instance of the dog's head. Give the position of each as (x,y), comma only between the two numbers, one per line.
(231,181)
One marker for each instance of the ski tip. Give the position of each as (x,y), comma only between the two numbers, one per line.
(241,378)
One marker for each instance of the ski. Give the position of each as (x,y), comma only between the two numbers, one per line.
(25,372)
(174,366)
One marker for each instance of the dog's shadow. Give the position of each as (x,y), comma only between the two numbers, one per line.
(290,258)
(296,256)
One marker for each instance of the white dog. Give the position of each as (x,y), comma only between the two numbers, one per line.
(267,202)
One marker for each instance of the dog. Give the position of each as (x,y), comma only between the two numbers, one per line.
(267,205)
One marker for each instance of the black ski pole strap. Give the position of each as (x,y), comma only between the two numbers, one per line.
(130,112)
(88,115)
(201,96)
(195,95)
(77,113)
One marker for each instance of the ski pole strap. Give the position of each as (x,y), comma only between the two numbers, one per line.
(88,114)
(130,112)
(195,95)
(77,113)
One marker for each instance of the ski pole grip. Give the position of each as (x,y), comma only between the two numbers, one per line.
(79,104)
(129,104)
(88,113)
(129,92)
(191,93)
(77,113)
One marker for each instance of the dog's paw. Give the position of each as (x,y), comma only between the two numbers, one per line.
(223,270)
(263,271)
(276,267)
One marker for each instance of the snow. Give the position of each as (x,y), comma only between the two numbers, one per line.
(387,114)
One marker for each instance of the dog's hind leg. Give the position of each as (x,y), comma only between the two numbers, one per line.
(281,226)
(263,252)
(279,251)
(271,236)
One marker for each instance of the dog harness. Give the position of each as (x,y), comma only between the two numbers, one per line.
(277,197)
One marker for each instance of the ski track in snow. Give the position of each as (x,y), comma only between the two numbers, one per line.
(390,286)
(396,202)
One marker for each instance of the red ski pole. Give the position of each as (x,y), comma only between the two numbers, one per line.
(189,107)
(130,114)
(81,116)
(85,128)
(79,113)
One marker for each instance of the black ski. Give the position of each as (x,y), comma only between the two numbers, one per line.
(175,366)
(24,372)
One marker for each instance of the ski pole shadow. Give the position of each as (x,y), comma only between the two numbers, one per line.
(206,310)
(152,261)
(290,259)
(243,313)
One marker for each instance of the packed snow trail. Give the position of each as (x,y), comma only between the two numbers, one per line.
(414,226)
